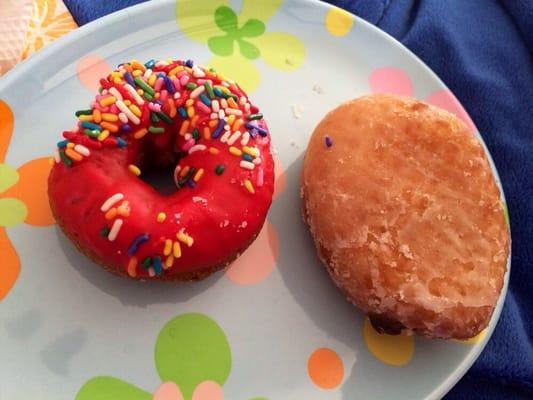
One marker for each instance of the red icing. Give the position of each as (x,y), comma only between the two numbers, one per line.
(219,213)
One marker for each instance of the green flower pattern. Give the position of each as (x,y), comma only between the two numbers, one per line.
(227,21)
(191,349)
(12,211)
(216,24)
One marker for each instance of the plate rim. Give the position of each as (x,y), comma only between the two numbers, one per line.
(71,38)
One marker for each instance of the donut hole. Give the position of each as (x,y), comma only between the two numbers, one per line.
(161,179)
(157,163)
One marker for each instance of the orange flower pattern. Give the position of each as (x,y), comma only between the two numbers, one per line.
(23,198)
(23,191)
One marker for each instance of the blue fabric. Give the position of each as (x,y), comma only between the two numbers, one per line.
(482,49)
(85,11)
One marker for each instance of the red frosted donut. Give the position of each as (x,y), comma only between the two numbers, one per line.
(156,115)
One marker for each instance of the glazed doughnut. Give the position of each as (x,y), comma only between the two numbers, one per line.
(405,214)
(153,116)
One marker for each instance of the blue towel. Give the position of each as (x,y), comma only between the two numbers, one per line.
(482,49)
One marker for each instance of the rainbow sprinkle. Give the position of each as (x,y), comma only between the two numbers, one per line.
(184,238)
(115,229)
(134,169)
(249,186)
(203,114)
(219,169)
(134,246)
(111,201)
(132,267)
